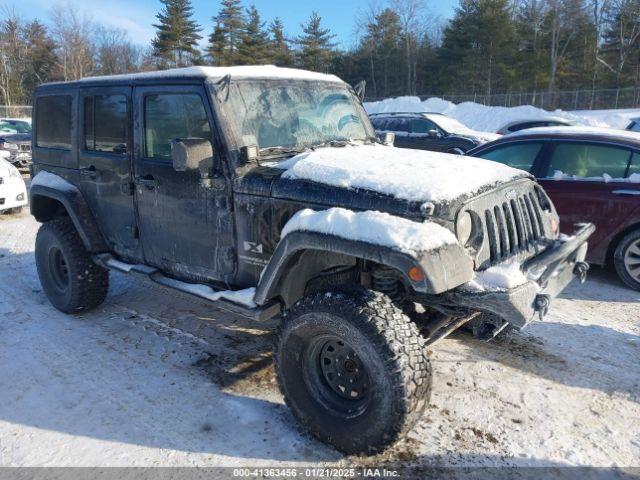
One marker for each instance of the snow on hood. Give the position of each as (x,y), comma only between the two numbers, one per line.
(413,175)
(373,227)
(451,125)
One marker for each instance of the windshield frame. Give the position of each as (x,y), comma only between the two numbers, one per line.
(219,94)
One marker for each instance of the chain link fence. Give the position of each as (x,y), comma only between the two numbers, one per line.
(601,99)
(17,111)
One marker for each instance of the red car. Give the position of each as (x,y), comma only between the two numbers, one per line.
(592,175)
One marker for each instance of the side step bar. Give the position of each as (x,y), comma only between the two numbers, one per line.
(201,291)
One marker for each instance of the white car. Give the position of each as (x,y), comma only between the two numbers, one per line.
(525,124)
(13,191)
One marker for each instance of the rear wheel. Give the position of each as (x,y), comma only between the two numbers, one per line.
(69,278)
(626,259)
(353,369)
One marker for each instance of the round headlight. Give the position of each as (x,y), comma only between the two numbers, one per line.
(464,228)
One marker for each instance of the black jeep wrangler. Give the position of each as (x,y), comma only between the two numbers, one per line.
(265,191)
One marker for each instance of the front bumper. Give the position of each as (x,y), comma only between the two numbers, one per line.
(548,273)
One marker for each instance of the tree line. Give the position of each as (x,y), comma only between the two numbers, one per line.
(400,48)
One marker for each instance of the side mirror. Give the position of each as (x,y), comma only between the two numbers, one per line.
(192,154)
(387,138)
(433,133)
(360,89)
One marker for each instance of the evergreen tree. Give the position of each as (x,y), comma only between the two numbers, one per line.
(254,41)
(282,55)
(316,46)
(226,37)
(177,34)
(478,48)
(41,56)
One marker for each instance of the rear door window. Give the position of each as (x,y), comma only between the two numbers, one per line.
(634,168)
(105,124)
(520,155)
(53,121)
(172,116)
(588,161)
(419,125)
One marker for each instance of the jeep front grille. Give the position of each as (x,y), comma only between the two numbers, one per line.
(514,226)
(514,223)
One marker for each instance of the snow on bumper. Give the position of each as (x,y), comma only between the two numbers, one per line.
(13,192)
(549,273)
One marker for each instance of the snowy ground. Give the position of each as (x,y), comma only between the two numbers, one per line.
(490,119)
(154,380)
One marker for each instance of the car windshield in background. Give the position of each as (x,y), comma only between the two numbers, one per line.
(295,116)
(14,126)
(449,124)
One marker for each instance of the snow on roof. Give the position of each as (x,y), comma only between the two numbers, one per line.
(413,175)
(580,131)
(373,227)
(247,71)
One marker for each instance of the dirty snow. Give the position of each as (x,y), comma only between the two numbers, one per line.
(246,71)
(372,227)
(416,175)
(490,119)
(149,379)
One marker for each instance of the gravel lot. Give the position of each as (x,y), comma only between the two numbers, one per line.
(149,379)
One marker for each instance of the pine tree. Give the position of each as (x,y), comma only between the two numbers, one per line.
(316,46)
(282,55)
(254,42)
(177,34)
(41,56)
(226,37)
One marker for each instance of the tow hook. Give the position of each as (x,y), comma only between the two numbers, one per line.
(542,304)
(581,270)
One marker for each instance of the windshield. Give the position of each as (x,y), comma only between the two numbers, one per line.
(449,124)
(294,115)
(14,126)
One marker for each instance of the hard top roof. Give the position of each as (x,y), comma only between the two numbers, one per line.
(202,73)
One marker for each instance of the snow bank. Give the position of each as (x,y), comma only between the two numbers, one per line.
(415,175)
(372,227)
(247,71)
(490,119)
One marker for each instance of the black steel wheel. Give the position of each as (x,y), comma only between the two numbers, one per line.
(353,369)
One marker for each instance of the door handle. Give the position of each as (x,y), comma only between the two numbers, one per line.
(89,171)
(147,181)
(626,192)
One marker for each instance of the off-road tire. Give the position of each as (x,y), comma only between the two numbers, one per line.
(390,349)
(626,249)
(84,285)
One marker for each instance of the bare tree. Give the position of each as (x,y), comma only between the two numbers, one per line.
(13,53)
(115,53)
(623,18)
(414,20)
(74,37)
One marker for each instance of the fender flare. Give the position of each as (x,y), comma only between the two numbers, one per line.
(444,268)
(45,188)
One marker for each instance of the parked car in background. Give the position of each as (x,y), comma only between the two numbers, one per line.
(13,192)
(592,175)
(525,124)
(634,126)
(429,131)
(15,138)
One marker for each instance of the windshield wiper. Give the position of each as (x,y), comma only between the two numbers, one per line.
(279,150)
(331,143)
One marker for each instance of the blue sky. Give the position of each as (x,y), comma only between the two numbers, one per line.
(137,16)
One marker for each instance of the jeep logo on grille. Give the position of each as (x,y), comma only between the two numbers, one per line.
(510,194)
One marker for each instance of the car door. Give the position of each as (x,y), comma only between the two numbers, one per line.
(586,181)
(425,135)
(184,217)
(104,154)
(400,127)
